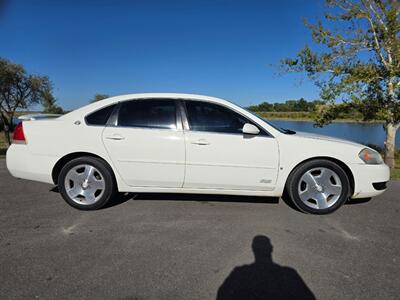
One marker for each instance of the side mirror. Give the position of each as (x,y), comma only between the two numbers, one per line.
(250,129)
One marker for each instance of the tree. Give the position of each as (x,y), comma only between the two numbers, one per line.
(287,106)
(357,63)
(265,106)
(281,107)
(20,90)
(302,105)
(50,106)
(98,97)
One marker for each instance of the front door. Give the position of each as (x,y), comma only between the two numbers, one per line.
(220,156)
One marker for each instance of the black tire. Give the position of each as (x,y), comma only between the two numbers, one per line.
(110,186)
(292,186)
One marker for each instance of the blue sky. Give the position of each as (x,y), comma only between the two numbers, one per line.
(218,48)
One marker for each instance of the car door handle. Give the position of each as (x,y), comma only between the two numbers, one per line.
(115,137)
(200,142)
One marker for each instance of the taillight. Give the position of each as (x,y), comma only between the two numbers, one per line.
(19,136)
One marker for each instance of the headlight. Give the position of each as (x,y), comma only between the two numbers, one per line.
(370,156)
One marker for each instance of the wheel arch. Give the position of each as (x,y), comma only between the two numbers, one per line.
(340,163)
(68,157)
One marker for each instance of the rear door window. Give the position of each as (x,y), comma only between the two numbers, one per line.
(149,113)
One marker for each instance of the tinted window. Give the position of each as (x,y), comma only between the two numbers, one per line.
(203,116)
(100,117)
(148,113)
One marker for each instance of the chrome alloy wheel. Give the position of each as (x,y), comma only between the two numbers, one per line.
(84,184)
(319,188)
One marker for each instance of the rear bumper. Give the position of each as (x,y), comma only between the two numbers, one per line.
(369,180)
(22,164)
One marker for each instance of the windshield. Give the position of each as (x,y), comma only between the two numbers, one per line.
(280,129)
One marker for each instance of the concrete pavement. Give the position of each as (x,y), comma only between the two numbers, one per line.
(185,247)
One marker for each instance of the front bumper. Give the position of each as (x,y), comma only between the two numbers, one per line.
(369,179)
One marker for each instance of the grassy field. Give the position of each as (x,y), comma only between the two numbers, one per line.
(395,174)
(395,171)
(302,115)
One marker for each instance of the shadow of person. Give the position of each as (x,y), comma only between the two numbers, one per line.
(263,279)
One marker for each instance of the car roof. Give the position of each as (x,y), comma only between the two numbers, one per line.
(162,95)
(80,113)
(109,101)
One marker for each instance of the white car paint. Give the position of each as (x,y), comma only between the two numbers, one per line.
(160,160)
(229,161)
(140,157)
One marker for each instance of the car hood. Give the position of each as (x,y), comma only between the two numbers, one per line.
(308,135)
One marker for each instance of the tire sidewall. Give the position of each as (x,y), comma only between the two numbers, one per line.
(292,186)
(105,170)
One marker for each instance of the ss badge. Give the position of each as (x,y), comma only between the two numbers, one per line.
(265,181)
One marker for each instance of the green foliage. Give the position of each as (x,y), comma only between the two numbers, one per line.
(361,61)
(306,110)
(306,115)
(20,90)
(300,115)
(98,97)
(288,106)
(357,62)
(395,172)
(50,106)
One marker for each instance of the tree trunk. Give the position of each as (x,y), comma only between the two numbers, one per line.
(6,128)
(7,138)
(391,128)
(390,144)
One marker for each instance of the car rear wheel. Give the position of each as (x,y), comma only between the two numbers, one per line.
(318,187)
(86,183)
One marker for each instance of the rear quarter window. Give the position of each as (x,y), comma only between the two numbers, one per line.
(100,117)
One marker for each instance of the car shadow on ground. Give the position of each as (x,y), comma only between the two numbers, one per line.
(123,197)
(263,279)
(203,198)
(206,198)
(358,201)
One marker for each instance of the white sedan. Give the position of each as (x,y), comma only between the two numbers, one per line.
(181,143)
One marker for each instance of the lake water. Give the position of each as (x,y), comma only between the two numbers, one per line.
(363,133)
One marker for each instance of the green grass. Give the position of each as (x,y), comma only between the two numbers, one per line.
(286,115)
(395,172)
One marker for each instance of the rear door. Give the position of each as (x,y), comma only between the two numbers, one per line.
(220,156)
(147,144)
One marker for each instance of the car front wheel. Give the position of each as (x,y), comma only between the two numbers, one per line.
(86,183)
(318,186)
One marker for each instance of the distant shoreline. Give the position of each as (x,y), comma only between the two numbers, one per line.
(302,117)
(334,121)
